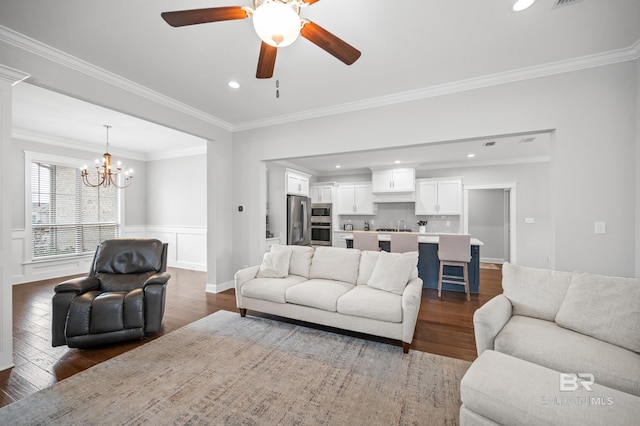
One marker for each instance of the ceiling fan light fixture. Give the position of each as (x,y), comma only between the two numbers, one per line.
(521,5)
(276,23)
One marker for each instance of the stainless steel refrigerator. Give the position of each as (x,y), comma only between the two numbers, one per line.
(298,220)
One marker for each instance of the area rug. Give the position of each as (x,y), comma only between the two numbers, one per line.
(224,369)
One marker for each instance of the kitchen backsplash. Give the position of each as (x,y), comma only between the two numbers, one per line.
(388,215)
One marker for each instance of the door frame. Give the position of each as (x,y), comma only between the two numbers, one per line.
(506,186)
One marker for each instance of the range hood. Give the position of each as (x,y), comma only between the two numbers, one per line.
(393,185)
(394,197)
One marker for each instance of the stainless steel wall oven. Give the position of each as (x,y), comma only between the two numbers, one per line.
(321,227)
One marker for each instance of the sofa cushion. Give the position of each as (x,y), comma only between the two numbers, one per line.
(607,308)
(547,344)
(335,263)
(318,293)
(368,261)
(300,261)
(501,389)
(275,265)
(367,302)
(534,292)
(271,289)
(392,271)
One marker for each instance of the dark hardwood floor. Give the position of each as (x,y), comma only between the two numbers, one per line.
(445,327)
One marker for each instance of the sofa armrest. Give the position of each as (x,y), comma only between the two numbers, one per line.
(78,285)
(240,278)
(160,278)
(489,319)
(411,298)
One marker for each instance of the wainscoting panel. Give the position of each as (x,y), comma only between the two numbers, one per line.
(187,250)
(187,246)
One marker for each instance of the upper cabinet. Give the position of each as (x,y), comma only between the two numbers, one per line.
(321,193)
(355,199)
(438,196)
(393,180)
(297,182)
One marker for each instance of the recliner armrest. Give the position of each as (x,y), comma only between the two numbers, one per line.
(489,319)
(159,278)
(78,285)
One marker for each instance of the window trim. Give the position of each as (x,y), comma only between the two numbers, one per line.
(31,156)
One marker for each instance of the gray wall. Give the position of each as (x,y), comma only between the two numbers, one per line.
(533,199)
(592,113)
(177,195)
(487,221)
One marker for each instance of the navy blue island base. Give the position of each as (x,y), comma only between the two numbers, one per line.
(429,266)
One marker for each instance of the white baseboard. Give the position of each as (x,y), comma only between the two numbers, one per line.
(217,288)
(492,260)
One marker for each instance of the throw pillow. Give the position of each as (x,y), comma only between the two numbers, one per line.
(534,292)
(275,265)
(300,261)
(392,271)
(368,260)
(607,308)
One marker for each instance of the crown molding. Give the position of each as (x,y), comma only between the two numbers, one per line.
(31,136)
(12,75)
(31,45)
(560,67)
(36,47)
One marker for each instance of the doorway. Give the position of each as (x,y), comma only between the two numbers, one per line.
(489,213)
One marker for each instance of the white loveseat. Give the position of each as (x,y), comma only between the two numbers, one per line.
(556,348)
(370,292)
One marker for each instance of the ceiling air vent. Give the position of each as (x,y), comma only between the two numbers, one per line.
(488,144)
(526,140)
(560,3)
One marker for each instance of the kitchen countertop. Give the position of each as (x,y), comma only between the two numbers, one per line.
(429,238)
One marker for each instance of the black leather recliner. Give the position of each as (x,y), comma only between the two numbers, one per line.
(123,297)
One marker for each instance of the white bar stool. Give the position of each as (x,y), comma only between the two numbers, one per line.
(363,240)
(402,242)
(454,250)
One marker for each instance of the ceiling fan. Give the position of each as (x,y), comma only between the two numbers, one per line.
(277,23)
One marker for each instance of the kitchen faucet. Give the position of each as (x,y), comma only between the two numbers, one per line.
(404,226)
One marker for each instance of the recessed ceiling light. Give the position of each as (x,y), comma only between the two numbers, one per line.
(521,5)
(338,166)
(397,162)
(234,84)
(470,155)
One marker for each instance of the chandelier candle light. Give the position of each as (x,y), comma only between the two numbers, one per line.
(106,175)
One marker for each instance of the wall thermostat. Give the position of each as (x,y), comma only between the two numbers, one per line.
(241,208)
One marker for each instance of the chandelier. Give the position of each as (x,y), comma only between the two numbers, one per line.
(105,173)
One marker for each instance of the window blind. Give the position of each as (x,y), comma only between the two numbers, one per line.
(67,217)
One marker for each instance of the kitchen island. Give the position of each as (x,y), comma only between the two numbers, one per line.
(428,263)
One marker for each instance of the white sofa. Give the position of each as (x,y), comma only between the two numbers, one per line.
(544,341)
(370,292)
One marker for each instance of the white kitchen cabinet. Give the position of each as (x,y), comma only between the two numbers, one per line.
(338,239)
(321,193)
(355,199)
(297,183)
(438,196)
(393,180)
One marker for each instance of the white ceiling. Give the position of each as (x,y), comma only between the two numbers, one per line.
(408,49)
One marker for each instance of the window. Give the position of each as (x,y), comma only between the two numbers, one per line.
(67,217)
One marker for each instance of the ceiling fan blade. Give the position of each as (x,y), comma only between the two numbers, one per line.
(181,18)
(266,61)
(310,2)
(330,43)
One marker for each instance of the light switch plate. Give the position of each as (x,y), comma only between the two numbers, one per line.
(600,228)
(529,220)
